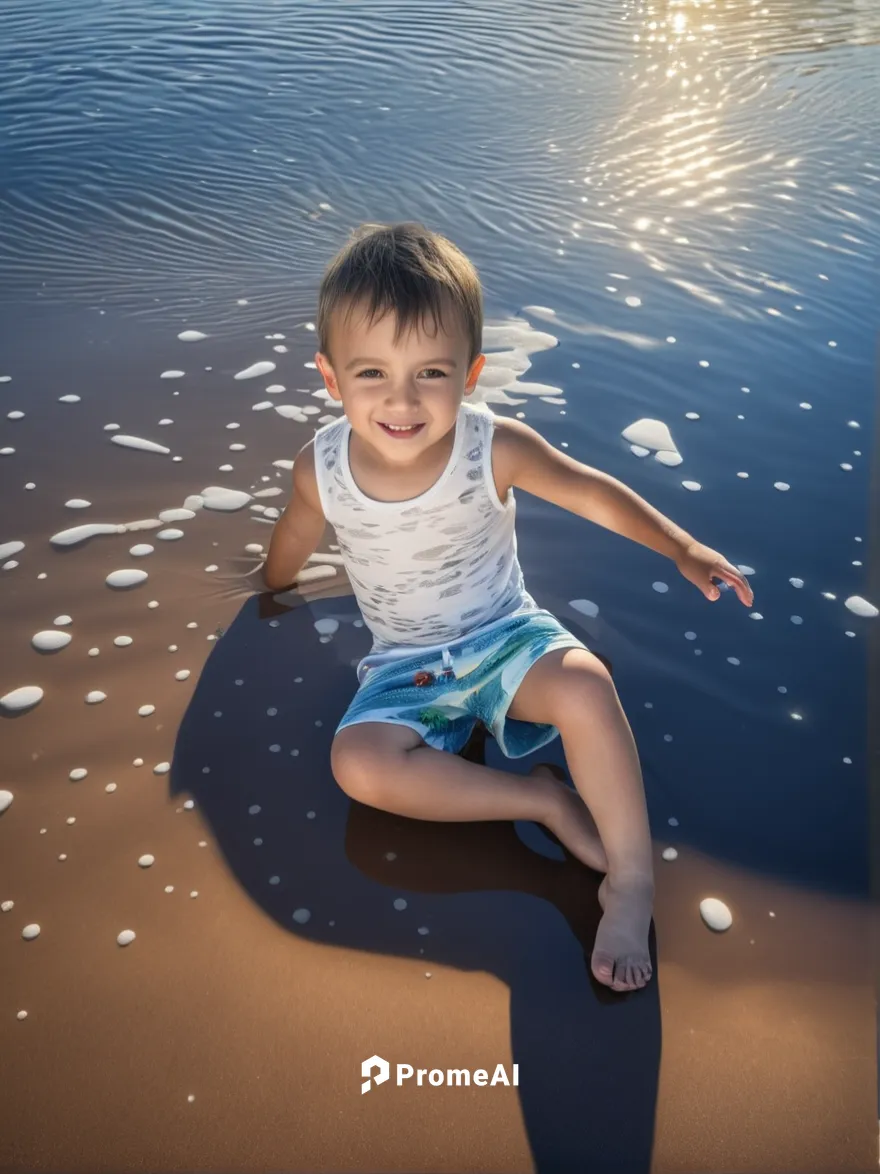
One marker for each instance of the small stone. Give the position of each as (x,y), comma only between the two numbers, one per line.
(126,937)
(716,914)
(77,774)
(669,854)
(30,932)
(146,861)
(161,768)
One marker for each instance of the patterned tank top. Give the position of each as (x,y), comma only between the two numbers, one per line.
(429,570)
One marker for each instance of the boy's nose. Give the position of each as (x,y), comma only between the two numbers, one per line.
(405,393)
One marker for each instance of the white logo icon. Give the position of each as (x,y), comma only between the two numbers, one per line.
(377,1064)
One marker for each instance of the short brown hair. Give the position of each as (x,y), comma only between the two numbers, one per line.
(405,269)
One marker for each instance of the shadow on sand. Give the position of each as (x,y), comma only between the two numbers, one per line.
(253,750)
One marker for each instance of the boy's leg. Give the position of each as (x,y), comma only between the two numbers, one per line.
(389,766)
(571,690)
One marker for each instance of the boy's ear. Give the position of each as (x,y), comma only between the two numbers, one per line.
(474,373)
(323,365)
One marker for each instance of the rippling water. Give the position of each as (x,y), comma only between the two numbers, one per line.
(684,196)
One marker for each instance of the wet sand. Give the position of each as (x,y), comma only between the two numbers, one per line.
(229,1034)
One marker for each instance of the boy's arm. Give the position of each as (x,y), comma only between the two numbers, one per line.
(523,458)
(299,529)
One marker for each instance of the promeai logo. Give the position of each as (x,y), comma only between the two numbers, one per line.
(376,1071)
(375,1064)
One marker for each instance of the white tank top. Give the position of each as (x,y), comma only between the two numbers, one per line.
(429,570)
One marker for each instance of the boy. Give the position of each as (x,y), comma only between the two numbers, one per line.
(418,485)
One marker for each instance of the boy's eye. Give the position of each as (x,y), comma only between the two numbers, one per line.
(429,372)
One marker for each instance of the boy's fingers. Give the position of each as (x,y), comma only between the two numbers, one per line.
(737,581)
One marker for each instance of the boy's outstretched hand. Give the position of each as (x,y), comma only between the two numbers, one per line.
(700,565)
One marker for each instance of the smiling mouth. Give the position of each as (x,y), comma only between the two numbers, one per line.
(400,431)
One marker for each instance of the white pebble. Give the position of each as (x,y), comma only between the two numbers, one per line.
(146,861)
(693,486)
(213,567)
(7,905)
(21,1015)
(78,503)
(733,660)
(94,652)
(123,641)
(141,550)
(399,904)
(715,914)
(181,675)
(30,932)
(50,641)
(669,854)
(253,548)
(171,375)
(110,788)
(326,627)
(255,370)
(782,486)
(161,768)
(191,336)
(301,916)
(796,582)
(650,434)
(797,619)
(7,549)
(181,514)
(146,710)
(141,444)
(217,497)
(126,937)
(95,697)
(170,535)
(126,578)
(861,607)
(692,415)
(660,588)
(6,798)
(22,698)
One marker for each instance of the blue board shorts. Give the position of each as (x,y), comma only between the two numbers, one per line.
(441,693)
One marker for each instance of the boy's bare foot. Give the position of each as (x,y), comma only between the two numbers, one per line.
(571,822)
(620,956)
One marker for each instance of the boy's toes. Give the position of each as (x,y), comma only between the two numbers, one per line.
(603,967)
(624,974)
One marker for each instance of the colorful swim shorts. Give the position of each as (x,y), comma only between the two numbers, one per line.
(441,693)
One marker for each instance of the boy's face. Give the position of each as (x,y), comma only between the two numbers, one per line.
(404,397)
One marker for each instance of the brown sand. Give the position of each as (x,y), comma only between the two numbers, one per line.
(767,1058)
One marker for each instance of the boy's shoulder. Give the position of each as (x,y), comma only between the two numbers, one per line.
(514,445)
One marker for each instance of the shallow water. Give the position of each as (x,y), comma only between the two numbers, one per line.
(674,209)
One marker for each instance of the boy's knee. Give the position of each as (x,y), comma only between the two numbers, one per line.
(364,762)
